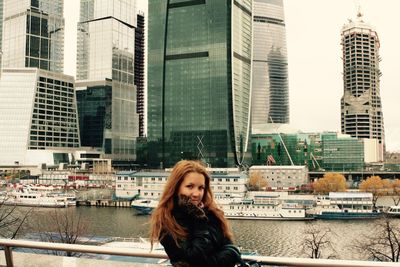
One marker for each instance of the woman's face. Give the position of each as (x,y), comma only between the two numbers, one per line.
(193,186)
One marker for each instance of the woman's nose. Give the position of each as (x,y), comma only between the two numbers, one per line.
(195,192)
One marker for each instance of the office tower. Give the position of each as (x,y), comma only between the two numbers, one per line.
(361,109)
(38,113)
(139,68)
(199,81)
(38,117)
(33,34)
(106,92)
(270,93)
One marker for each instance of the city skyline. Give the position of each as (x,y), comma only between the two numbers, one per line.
(310,25)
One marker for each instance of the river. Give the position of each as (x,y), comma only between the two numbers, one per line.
(269,238)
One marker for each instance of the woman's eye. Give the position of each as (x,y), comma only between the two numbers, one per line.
(189,186)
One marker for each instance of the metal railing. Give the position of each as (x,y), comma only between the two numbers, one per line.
(8,244)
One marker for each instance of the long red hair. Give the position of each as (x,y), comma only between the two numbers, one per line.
(162,220)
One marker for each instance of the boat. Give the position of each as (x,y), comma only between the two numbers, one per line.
(393,211)
(258,206)
(32,199)
(144,206)
(267,206)
(345,206)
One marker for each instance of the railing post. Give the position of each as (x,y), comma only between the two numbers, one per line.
(8,254)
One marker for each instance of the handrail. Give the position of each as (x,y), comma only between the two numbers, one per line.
(8,244)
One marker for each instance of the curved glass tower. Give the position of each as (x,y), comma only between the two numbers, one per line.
(270,92)
(199,80)
(361,108)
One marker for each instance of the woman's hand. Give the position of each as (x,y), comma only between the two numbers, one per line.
(192,210)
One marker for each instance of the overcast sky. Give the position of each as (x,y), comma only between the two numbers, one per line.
(314,53)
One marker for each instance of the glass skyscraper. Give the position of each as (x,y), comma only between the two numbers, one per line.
(361,108)
(105,77)
(199,81)
(33,34)
(270,92)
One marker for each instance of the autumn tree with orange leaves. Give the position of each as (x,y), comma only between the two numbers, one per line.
(330,182)
(376,186)
(256,181)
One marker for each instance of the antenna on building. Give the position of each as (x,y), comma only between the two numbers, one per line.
(359,10)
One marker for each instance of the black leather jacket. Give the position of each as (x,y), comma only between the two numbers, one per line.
(205,246)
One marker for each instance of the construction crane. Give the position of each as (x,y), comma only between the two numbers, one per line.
(283,143)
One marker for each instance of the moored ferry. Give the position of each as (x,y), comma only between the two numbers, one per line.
(33,199)
(269,206)
(345,206)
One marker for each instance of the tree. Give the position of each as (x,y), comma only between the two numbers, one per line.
(12,219)
(315,241)
(374,185)
(63,226)
(330,182)
(396,192)
(256,181)
(382,244)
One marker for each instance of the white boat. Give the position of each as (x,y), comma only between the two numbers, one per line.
(393,211)
(345,206)
(261,206)
(266,207)
(144,206)
(32,199)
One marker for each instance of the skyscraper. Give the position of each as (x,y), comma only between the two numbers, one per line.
(139,72)
(361,109)
(38,115)
(270,93)
(199,81)
(106,92)
(33,34)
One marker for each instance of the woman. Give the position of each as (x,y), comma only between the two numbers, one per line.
(188,223)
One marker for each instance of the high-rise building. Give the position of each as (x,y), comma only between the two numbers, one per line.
(361,108)
(33,34)
(270,93)
(199,81)
(106,92)
(38,115)
(139,68)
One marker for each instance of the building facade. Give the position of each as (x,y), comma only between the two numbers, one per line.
(139,68)
(38,117)
(361,108)
(199,73)
(106,93)
(328,151)
(129,184)
(33,34)
(281,177)
(270,90)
